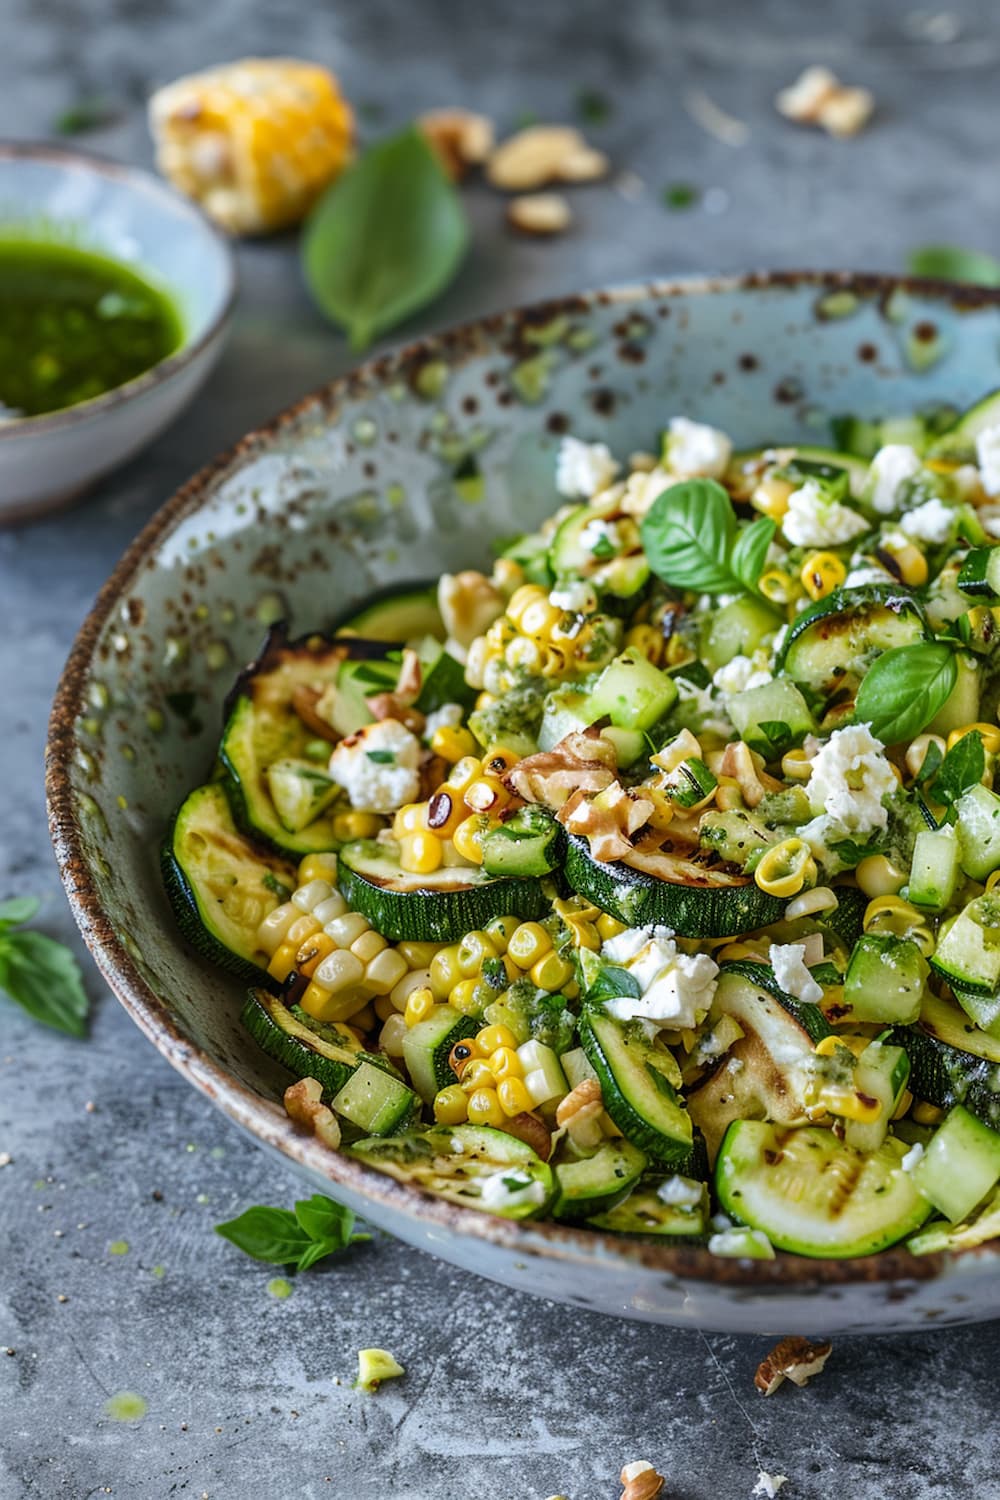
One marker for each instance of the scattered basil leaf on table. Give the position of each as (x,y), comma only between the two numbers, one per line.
(692,540)
(952,263)
(680,195)
(904,688)
(961,768)
(39,974)
(385,238)
(318,1227)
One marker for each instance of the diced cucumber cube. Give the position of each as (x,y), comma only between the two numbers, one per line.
(960,1166)
(772,717)
(885,979)
(978,812)
(576,1066)
(566,711)
(736,629)
(632,693)
(968,947)
(300,792)
(882,1072)
(374,1101)
(934,868)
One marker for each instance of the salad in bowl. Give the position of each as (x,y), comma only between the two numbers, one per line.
(647,882)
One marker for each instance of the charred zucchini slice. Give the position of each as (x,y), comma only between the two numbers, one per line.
(471,1165)
(831,645)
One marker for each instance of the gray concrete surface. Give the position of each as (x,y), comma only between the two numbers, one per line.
(248,1397)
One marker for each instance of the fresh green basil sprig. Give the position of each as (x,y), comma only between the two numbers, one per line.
(904,688)
(952,263)
(693,541)
(41,975)
(317,1228)
(385,238)
(961,768)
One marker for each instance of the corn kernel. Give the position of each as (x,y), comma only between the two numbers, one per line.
(466,998)
(356,825)
(648,640)
(474,949)
(317,867)
(464,772)
(529,943)
(282,961)
(452,743)
(771,496)
(409,819)
(418,955)
(514,1097)
(821,573)
(477,1074)
(927,1114)
(363,1020)
(487,794)
(340,969)
(552,971)
(323,1005)
(491,1038)
(484,1108)
(523,598)
(419,1005)
(302,928)
(420,853)
(501,930)
(988,733)
(368,946)
(312,952)
(407,983)
(467,838)
(777,586)
(390,1038)
(444,971)
(505,1063)
(274,928)
(523,653)
(609,927)
(347,929)
(878,876)
(385,971)
(498,760)
(333,906)
(451,1105)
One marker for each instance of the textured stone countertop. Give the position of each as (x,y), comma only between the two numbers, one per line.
(249,1397)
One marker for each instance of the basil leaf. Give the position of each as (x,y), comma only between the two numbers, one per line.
(18,910)
(850,853)
(778,732)
(931,764)
(952,263)
(904,688)
(961,768)
(385,238)
(329,1223)
(688,535)
(43,977)
(613,982)
(750,550)
(382,757)
(273,1235)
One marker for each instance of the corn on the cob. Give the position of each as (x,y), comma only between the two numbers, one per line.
(534,635)
(254,142)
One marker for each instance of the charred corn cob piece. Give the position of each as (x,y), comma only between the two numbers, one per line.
(254,142)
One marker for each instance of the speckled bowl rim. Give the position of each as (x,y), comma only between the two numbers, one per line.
(264,1119)
(143,182)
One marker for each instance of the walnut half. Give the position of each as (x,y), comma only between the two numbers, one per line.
(304,1104)
(640,1481)
(793,1359)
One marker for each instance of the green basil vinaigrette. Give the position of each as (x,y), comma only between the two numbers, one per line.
(74,325)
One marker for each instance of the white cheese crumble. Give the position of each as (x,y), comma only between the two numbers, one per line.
(695,449)
(448,716)
(700,705)
(739,1244)
(931,522)
(601,538)
(988,456)
(814,520)
(676,988)
(584,468)
(742,673)
(850,777)
(509,1189)
(861,577)
(680,1192)
(378,766)
(788,960)
(889,468)
(913,1157)
(768,1485)
(575,595)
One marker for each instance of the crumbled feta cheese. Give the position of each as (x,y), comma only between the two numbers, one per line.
(378,766)
(988,456)
(680,1192)
(768,1485)
(913,1157)
(583,468)
(788,960)
(931,522)
(509,1189)
(989,515)
(448,716)
(676,988)
(576,595)
(890,466)
(695,449)
(700,706)
(739,1244)
(850,777)
(861,577)
(814,520)
(601,538)
(742,673)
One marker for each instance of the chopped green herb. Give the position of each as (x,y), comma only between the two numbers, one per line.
(89,113)
(593,106)
(39,974)
(382,757)
(679,195)
(317,1228)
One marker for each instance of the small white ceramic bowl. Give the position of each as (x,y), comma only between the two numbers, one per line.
(131,217)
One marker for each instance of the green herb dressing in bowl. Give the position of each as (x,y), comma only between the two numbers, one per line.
(73,325)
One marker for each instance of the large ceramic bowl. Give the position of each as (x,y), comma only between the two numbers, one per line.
(134,218)
(354,489)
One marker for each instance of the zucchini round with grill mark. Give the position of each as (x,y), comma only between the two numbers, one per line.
(307,1048)
(435,908)
(636,1086)
(952,1061)
(471,1165)
(595,1184)
(831,645)
(644,1211)
(220,885)
(813,1195)
(680,889)
(815,461)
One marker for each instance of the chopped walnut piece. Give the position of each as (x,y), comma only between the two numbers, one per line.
(640,1481)
(792,1359)
(527,1127)
(308,703)
(747,768)
(460,138)
(580,1115)
(578,763)
(607,822)
(539,214)
(391,706)
(817,97)
(542,154)
(304,1104)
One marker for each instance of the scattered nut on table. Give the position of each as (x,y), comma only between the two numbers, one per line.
(461,138)
(641,1481)
(542,154)
(539,213)
(794,1359)
(817,97)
